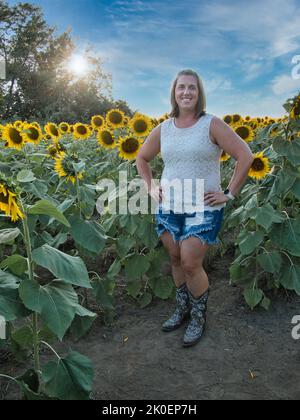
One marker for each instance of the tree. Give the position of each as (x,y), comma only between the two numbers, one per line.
(37,84)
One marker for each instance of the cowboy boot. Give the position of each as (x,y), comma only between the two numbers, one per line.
(197,323)
(182,309)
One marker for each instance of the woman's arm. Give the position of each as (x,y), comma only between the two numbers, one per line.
(237,148)
(147,152)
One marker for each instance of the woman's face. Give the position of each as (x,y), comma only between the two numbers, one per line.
(186,93)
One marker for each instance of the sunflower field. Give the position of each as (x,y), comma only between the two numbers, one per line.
(51,233)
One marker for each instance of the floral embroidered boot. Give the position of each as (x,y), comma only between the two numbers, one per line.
(182,309)
(197,323)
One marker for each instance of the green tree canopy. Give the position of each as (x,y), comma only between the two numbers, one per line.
(38,85)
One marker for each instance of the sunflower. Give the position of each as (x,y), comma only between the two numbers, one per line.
(18,124)
(1,131)
(228,119)
(129,147)
(236,118)
(47,137)
(97,122)
(140,125)
(64,128)
(106,138)
(14,138)
(53,131)
(32,133)
(260,166)
(55,149)
(81,131)
(245,132)
(273,131)
(64,167)
(115,118)
(224,156)
(8,202)
(295,112)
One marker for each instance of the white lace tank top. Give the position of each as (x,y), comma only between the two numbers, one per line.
(189,153)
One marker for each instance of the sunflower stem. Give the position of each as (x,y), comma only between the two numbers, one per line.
(78,195)
(28,247)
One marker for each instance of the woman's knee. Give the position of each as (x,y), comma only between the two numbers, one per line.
(190,266)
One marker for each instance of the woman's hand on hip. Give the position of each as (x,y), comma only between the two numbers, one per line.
(214,198)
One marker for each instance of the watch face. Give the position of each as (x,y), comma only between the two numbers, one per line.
(226,191)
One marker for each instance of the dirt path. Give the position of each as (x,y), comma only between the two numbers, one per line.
(243,355)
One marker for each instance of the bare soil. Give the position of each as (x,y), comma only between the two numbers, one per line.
(244,354)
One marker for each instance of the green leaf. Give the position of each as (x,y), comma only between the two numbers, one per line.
(287,236)
(148,235)
(81,230)
(124,244)
(235,272)
(270,262)
(48,209)
(7,236)
(253,297)
(59,239)
(266,303)
(82,322)
(114,269)
(87,201)
(134,288)
(63,266)
(37,188)
(162,287)
(16,264)
(296,189)
(25,176)
(145,300)
(266,216)
(55,302)
(70,378)
(11,307)
(251,242)
(24,337)
(290,277)
(103,292)
(136,266)
(29,383)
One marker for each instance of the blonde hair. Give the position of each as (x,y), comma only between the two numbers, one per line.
(201,104)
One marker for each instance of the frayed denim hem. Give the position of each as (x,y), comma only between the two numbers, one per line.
(166,227)
(203,238)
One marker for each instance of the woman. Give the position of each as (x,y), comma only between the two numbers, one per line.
(191,143)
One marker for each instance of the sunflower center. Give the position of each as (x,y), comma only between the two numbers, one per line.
(3,198)
(140,126)
(115,117)
(243,132)
(15,136)
(54,130)
(258,165)
(64,127)
(297,109)
(81,129)
(107,138)
(68,167)
(227,119)
(130,145)
(236,118)
(33,134)
(98,121)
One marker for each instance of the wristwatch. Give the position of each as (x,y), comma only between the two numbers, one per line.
(229,195)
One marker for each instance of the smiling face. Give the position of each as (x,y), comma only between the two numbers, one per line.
(186,93)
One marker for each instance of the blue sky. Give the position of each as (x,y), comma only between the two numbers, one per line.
(242,49)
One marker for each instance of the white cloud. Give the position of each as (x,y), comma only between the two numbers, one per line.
(285,85)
